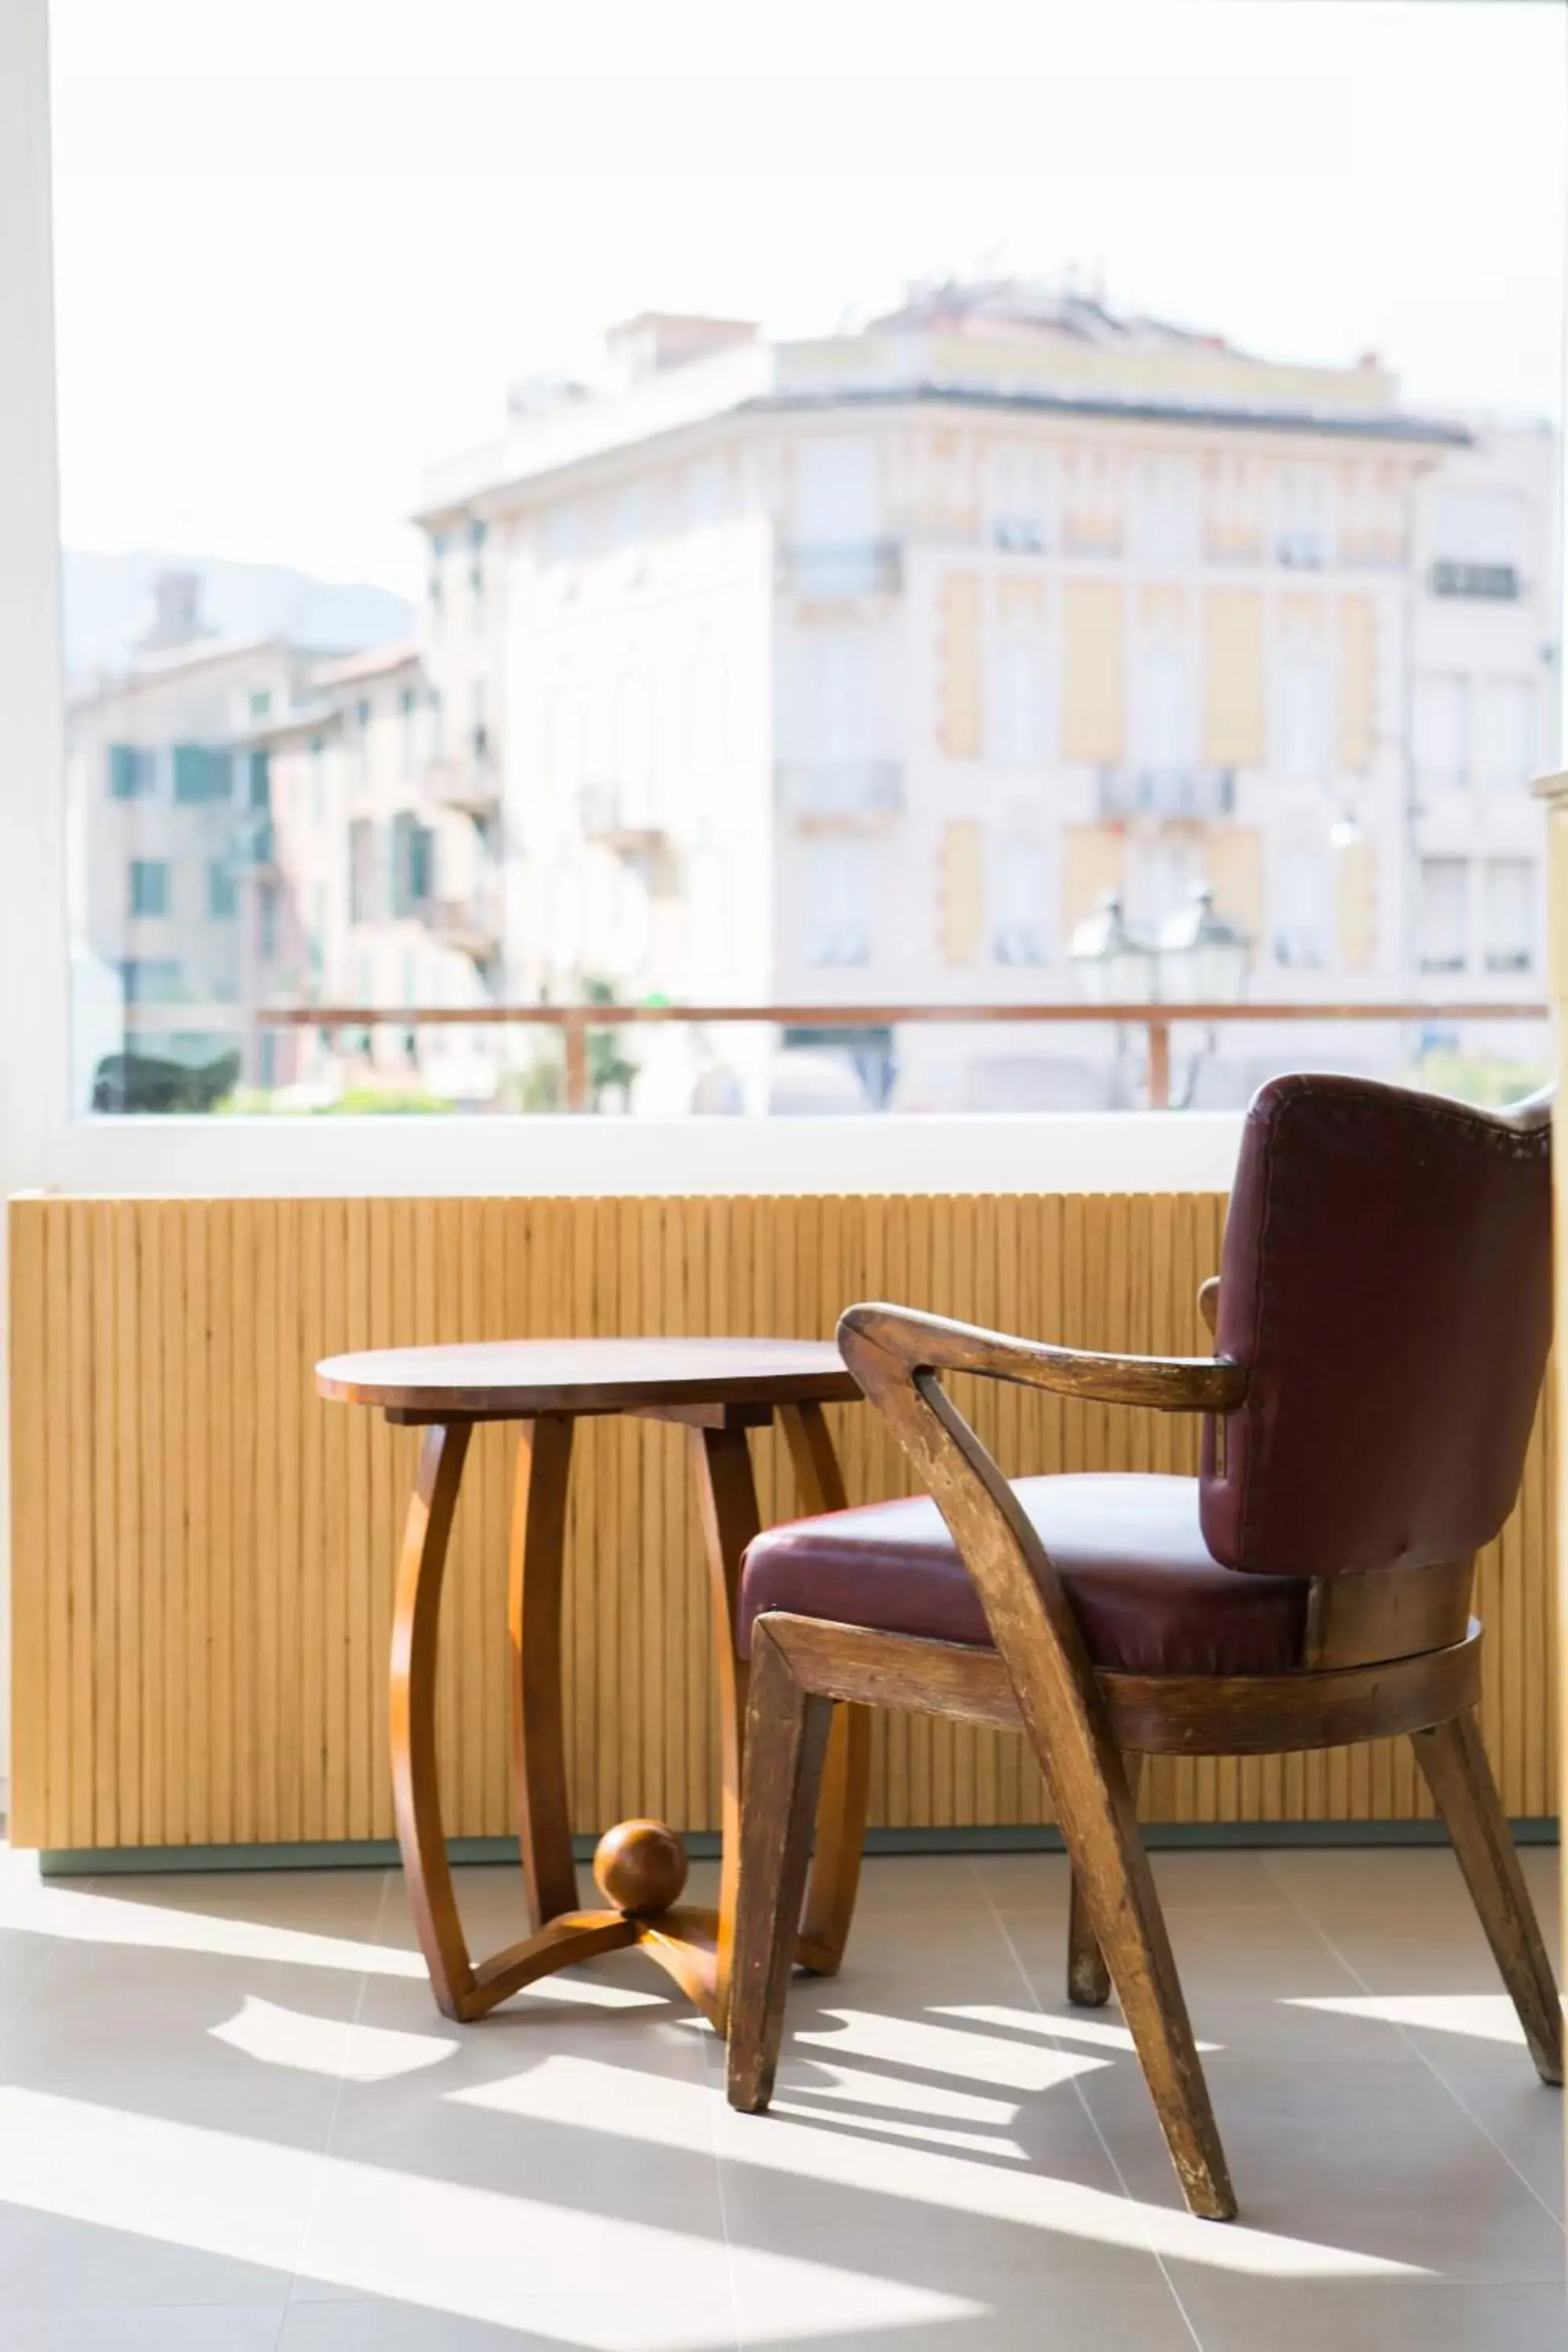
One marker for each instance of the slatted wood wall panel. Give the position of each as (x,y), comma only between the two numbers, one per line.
(203,1550)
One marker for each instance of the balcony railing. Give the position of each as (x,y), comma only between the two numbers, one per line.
(574,1022)
(1196,794)
(839,787)
(617,816)
(829,568)
(470,784)
(470,923)
(1496,583)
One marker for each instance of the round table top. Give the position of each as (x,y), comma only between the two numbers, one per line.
(513,1379)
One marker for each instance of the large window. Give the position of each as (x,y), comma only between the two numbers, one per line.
(635,563)
(1445,914)
(1510,922)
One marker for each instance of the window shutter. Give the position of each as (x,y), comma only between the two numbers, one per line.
(962,720)
(1233,678)
(1093,666)
(963,891)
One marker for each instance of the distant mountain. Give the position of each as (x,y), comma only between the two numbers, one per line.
(108,603)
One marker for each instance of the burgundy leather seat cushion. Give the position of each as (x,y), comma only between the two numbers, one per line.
(1129,1549)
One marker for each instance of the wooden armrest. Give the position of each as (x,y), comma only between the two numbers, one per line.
(915,1343)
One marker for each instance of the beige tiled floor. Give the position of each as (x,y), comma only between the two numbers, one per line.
(232,2121)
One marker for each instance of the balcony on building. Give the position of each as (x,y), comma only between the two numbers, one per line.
(1185,794)
(1495,584)
(467,781)
(839,788)
(615,816)
(470,920)
(828,569)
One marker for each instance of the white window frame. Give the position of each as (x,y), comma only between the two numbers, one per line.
(41,1143)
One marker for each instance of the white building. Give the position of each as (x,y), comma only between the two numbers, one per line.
(183,919)
(388,836)
(1483,695)
(856,670)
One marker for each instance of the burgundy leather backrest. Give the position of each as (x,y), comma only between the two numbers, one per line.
(1386,1279)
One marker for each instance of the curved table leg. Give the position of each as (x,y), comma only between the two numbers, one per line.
(533,1623)
(412,1714)
(846,1774)
(462,1991)
(727,1499)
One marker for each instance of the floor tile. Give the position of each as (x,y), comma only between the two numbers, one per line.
(1064,2319)
(101,2205)
(161,2327)
(950,2157)
(529,2183)
(1520,2114)
(1249,1971)
(1347,2167)
(906,1882)
(1025,1881)
(1412,1902)
(1232,2314)
(326,1901)
(625,2321)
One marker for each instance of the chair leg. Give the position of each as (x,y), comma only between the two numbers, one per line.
(1122,1911)
(1089,1979)
(786,1734)
(1453,1760)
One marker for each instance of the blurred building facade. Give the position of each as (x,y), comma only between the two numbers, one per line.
(860,669)
(183,919)
(387,832)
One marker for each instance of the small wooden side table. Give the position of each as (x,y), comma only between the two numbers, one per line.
(719,1389)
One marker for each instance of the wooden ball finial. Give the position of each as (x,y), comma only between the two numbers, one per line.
(639,1867)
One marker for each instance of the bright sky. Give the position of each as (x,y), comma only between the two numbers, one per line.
(302,245)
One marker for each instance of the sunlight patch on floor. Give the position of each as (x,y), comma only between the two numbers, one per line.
(591,1992)
(591,2095)
(79,1918)
(1097,2030)
(945,2050)
(833,2082)
(472,2252)
(323,2045)
(898,2127)
(1486,2016)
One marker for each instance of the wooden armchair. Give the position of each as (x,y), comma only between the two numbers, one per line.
(1382,1323)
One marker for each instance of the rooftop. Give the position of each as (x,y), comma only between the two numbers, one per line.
(1020,344)
(379,661)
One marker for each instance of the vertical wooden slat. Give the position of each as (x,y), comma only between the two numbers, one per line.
(152,1537)
(343,1438)
(124,1369)
(290,1411)
(33,1694)
(316,1428)
(60,1467)
(220,1436)
(104,1807)
(236,1338)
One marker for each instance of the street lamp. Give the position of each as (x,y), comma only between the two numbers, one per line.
(1113,967)
(1203,957)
